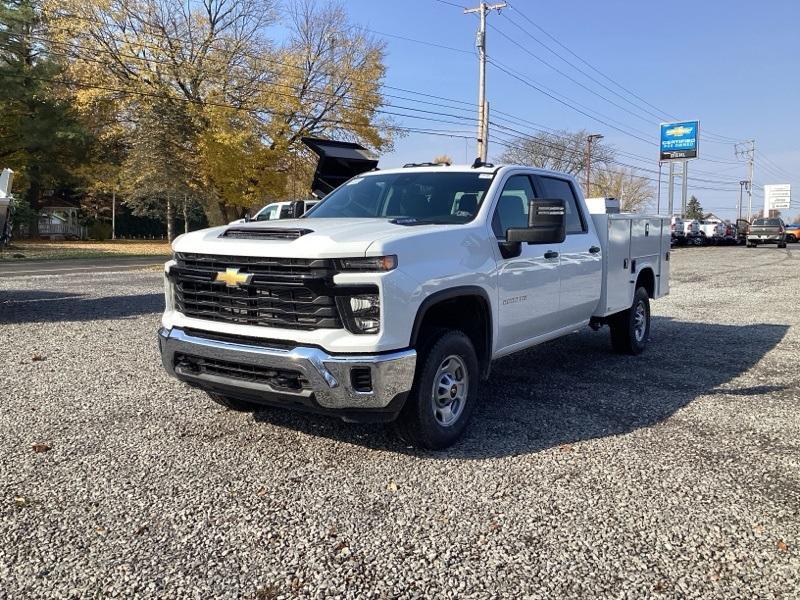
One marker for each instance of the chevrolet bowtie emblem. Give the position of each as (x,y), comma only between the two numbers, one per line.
(232,277)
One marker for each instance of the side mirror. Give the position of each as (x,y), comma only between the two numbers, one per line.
(247,218)
(546,223)
(296,209)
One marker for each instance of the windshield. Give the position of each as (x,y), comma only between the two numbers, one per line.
(429,197)
(268,213)
(768,222)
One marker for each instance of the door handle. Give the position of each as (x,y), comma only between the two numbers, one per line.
(594,249)
(551,254)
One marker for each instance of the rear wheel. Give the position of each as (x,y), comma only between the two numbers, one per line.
(233,403)
(630,329)
(444,393)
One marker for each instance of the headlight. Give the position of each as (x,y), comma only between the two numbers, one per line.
(361,313)
(371,263)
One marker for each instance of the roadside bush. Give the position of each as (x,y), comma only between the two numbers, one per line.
(100,231)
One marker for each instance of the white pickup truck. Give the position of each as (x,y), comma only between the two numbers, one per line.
(390,299)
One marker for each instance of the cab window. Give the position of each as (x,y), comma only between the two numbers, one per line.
(561,189)
(512,207)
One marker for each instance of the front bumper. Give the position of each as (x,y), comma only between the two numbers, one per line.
(330,387)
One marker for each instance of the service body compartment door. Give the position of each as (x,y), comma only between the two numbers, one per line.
(619,287)
(663,279)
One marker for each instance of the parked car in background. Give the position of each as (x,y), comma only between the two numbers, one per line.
(279,210)
(767,231)
(691,228)
(678,234)
(713,232)
(792,232)
(742,229)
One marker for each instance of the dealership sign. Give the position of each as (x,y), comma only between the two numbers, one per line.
(777,197)
(679,141)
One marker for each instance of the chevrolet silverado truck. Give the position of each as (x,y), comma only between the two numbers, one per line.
(389,300)
(767,231)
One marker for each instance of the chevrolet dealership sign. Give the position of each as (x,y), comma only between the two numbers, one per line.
(679,141)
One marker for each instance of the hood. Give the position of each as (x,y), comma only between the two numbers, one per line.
(338,162)
(298,238)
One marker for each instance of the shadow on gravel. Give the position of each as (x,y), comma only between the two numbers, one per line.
(32,306)
(576,389)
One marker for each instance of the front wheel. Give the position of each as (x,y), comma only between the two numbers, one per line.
(444,393)
(630,329)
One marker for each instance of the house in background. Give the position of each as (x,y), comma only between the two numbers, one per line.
(59,220)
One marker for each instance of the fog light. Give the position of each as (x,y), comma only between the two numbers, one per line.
(361,313)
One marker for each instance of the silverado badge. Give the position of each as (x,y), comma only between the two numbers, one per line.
(232,277)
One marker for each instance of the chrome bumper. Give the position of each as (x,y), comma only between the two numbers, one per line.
(329,375)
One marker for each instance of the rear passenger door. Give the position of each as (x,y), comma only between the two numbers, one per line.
(581,268)
(528,283)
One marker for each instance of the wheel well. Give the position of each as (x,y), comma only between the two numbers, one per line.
(647,280)
(466,313)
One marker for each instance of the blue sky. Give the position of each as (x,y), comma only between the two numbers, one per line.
(733,65)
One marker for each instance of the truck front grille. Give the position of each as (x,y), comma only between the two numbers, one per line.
(280,379)
(285,293)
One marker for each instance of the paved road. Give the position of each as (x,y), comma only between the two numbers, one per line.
(675,474)
(78,265)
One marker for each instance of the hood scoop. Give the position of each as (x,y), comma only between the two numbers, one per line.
(263,233)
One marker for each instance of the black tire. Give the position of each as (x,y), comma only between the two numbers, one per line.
(791,238)
(423,421)
(233,403)
(783,245)
(627,335)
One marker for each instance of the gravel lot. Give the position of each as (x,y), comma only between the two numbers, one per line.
(585,474)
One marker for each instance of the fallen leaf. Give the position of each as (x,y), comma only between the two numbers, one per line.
(782,546)
(141,529)
(20,501)
(565,447)
(759,529)
(262,491)
(392,487)
(38,358)
(41,447)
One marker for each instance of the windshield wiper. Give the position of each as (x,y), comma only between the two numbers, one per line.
(411,221)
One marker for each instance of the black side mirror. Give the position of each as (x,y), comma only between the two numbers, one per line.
(247,218)
(547,223)
(297,208)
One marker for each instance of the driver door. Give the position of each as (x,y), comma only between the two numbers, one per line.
(528,284)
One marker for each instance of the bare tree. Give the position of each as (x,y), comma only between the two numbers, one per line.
(633,191)
(561,151)
(443,159)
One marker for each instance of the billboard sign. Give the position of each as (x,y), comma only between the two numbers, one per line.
(679,141)
(777,197)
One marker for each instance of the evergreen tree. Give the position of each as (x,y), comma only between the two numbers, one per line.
(40,135)
(693,209)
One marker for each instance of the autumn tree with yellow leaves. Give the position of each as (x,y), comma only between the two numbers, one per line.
(207,104)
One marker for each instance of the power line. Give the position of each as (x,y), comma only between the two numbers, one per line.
(596,70)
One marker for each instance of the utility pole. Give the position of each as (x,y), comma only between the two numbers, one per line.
(748,153)
(743,184)
(589,139)
(113,214)
(480,42)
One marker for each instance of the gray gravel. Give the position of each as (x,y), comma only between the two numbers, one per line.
(585,474)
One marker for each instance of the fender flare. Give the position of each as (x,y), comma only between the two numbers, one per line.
(463,291)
